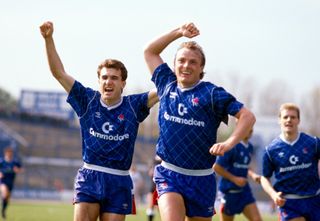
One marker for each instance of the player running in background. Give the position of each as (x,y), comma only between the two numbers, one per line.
(293,159)
(152,196)
(9,167)
(109,124)
(190,113)
(234,168)
(138,183)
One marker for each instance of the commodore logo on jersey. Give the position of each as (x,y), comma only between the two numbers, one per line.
(107,127)
(293,159)
(246,160)
(182,109)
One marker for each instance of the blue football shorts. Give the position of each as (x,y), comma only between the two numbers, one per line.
(233,203)
(9,183)
(308,208)
(198,192)
(112,192)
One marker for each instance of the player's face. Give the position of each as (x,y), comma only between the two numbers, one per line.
(188,67)
(8,154)
(111,85)
(289,121)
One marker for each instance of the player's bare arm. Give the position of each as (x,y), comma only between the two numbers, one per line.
(153,50)
(254,176)
(275,196)
(239,181)
(246,120)
(54,60)
(152,98)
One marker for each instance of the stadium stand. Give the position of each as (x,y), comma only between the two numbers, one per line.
(50,150)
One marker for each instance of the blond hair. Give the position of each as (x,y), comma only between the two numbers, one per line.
(194,46)
(289,106)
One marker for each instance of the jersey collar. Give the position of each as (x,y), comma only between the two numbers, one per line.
(188,88)
(288,142)
(111,106)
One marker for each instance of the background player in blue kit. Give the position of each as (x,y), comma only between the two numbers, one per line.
(9,167)
(109,125)
(236,194)
(152,196)
(190,113)
(293,159)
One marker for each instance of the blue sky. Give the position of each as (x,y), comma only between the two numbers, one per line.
(265,40)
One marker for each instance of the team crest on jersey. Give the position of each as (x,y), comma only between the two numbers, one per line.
(195,101)
(281,154)
(305,150)
(121,117)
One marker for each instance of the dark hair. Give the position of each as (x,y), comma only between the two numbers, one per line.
(116,64)
(192,45)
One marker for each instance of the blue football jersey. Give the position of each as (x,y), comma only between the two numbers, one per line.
(108,133)
(236,161)
(189,119)
(7,171)
(295,165)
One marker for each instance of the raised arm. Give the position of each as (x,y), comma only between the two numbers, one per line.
(54,61)
(152,97)
(246,120)
(153,50)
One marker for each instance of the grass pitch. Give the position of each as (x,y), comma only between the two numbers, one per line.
(61,211)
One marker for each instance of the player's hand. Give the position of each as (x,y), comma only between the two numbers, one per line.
(240,181)
(189,30)
(46,29)
(278,200)
(16,169)
(256,178)
(218,149)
